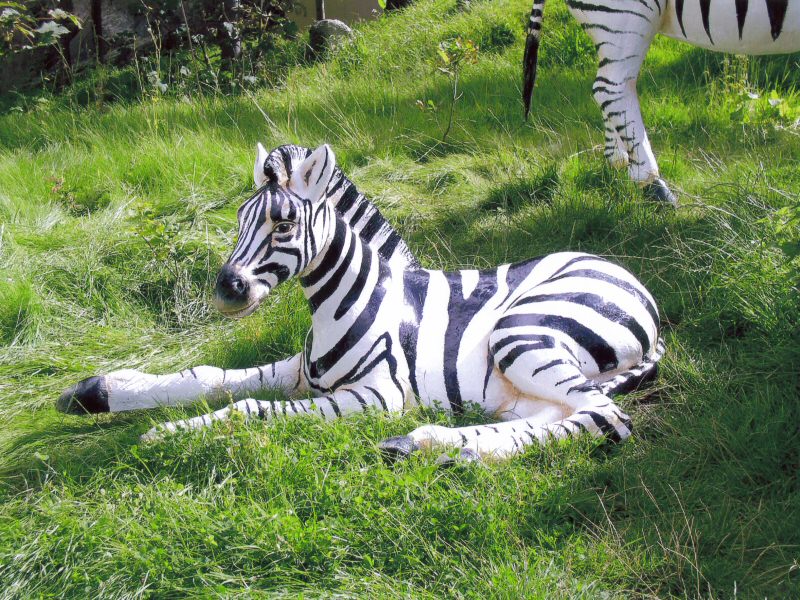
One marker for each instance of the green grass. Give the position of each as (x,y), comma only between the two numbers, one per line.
(114,219)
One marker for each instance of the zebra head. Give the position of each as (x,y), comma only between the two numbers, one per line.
(281,229)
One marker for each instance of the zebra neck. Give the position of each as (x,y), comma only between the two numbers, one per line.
(344,279)
(367,221)
(345,289)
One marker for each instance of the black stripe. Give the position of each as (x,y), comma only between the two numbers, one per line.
(387,248)
(415,290)
(679,13)
(587,7)
(610,29)
(377,395)
(349,196)
(360,326)
(549,365)
(705,7)
(598,304)
(776,9)
(372,227)
(360,399)
(334,405)
(577,424)
(607,428)
(340,180)
(518,272)
(335,280)
(332,255)
(357,286)
(515,353)
(620,283)
(568,379)
(461,312)
(281,272)
(603,354)
(359,213)
(544,341)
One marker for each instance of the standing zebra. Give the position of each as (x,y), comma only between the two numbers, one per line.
(622,31)
(541,344)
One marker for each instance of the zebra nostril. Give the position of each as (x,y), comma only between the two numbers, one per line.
(231,285)
(238,285)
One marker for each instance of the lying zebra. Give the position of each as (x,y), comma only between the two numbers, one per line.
(622,31)
(541,344)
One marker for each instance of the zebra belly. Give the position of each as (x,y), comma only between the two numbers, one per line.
(761,32)
(435,380)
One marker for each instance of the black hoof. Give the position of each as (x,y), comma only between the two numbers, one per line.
(398,448)
(87,396)
(465,456)
(659,191)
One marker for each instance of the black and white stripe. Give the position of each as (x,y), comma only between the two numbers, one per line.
(356,209)
(622,31)
(541,344)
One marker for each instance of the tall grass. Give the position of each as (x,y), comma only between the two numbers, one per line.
(114,218)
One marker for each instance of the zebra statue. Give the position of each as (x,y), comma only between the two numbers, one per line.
(542,344)
(622,31)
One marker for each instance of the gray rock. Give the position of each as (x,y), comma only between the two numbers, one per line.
(328,34)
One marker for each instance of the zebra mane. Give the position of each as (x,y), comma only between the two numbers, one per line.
(354,207)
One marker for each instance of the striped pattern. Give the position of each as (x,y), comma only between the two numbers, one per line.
(622,31)
(356,209)
(542,344)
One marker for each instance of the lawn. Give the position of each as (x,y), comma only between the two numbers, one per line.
(115,216)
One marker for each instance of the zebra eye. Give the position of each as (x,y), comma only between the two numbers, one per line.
(283,227)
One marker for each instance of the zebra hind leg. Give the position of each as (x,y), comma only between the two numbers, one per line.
(506,439)
(614,149)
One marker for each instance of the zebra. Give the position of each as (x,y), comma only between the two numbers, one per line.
(542,344)
(622,31)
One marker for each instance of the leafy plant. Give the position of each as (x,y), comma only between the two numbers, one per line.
(453,55)
(23,27)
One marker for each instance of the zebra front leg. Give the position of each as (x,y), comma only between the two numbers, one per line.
(130,390)
(337,404)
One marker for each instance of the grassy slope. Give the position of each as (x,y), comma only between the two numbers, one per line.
(703,502)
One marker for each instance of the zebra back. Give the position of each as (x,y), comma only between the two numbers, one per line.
(354,207)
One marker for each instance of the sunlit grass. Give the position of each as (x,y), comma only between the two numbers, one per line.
(114,219)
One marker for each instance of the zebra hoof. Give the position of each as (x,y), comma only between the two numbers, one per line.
(659,191)
(87,396)
(398,448)
(465,456)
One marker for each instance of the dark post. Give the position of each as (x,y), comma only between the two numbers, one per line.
(97,27)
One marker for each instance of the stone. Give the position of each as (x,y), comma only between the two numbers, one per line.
(328,34)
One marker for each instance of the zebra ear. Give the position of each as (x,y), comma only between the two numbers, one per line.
(258,169)
(311,178)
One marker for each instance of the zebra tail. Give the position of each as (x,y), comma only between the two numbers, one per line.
(636,378)
(531,53)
